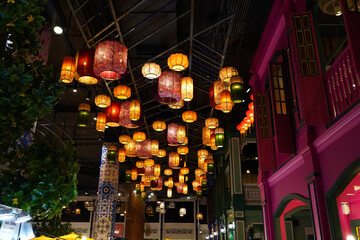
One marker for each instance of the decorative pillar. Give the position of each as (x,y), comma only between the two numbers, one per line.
(107,194)
(135,217)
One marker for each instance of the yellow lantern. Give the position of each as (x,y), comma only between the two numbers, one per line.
(130,148)
(177,105)
(174,158)
(206,136)
(195,183)
(170,182)
(101,122)
(157,170)
(134,113)
(102,101)
(189,116)
(226,103)
(169,193)
(122,92)
(178,62)
(134,174)
(68,69)
(168,172)
(181,133)
(212,123)
(159,126)
(151,70)
(161,153)
(121,155)
(124,139)
(140,164)
(184,170)
(154,147)
(149,162)
(183,150)
(185,188)
(199,216)
(187,89)
(202,153)
(226,73)
(139,136)
(219,87)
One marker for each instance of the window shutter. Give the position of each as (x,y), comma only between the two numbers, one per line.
(312,90)
(263,132)
(281,109)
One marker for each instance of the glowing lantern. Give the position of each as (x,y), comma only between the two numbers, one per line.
(111,156)
(140,164)
(134,113)
(250,115)
(121,155)
(189,116)
(182,211)
(154,147)
(206,136)
(169,87)
(210,165)
(128,176)
(219,87)
(174,159)
(236,88)
(134,174)
(151,70)
(122,92)
(251,106)
(149,162)
(252,97)
(170,182)
(185,141)
(172,134)
(219,137)
(185,189)
(168,172)
(187,89)
(204,185)
(195,184)
(202,153)
(212,123)
(157,170)
(226,103)
(124,139)
(180,133)
(199,216)
(110,60)
(130,148)
(183,150)
(139,136)
(161,153)
(112,114)
(159,126)
(100,122)
(178,62)
(169,193)
(102,101)
(177,105)
(85,66)
(199,194)
(226,73)
(84,114)
(67,70)
(184,171)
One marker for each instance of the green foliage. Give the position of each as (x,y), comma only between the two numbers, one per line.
(40,178)
(53,227)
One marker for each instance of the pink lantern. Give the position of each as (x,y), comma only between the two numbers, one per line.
(110,60)
(143,149)
(169,87)
(172,134)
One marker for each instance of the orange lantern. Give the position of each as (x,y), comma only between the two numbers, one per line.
(252,97)
(134,174)
(251,106)
(183,150)
(101,122)
(130,148)
(139,136)
(250,114)
(212,123)
(226,103)
(178,62)
(159,126)
(177,105)
(168,172)
(199,216)
(170,182)
(151,70)
(219,87)
(174,159)
(149,162)
(154,147)
(157,170)
(121,155)
(202,153)
(122,92)
(180,133)
(184,170)
(226,73)
(189,116)
(187,89)
(140,164)
(134,113)
(112,115)
(185,141)
(102,101)
(67,70)
(206,136)
(185,188)
(161,153)
(169,193)
(124,139)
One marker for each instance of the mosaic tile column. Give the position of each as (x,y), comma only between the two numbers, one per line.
(107,194)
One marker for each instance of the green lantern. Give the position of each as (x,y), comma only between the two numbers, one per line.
(219,137)
(83,115)
(199,195)
(138,189)
(236,89)
(128,176)
(204,185)
(111,154)
(210,167)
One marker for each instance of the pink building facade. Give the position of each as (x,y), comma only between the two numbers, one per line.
(306,90)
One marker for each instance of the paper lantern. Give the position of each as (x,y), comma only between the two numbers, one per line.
(202,153)
(169,87)
(187,89)
(174,159)
(130,148)
(226,103)
(178,62)
(185,141)
(100,122)
(83,114)
(185,188)
(140,164)
(168,172)
(195,183)
(219,137)
(177,105)
(159,126)
(149,162)
(154,147)
(206,136)
(139,136)
(236,88)
(121,155)
(134,174)
(180,133)
(172,134)
(122,92)
(134,112)
(169,193)
(85,66)
(67,69)
(143,148)
(124,139)
(170,182)
(110,60)
(199,216)
(189,116)
(226,73)
(212,123)
(157,170)
(219,87)
(184,170)
(151,70)
(128,176)
(102,101)
(183,150)
(111,155)
(112,114)
(161,153)
(149,171)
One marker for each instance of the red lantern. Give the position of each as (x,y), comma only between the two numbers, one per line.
(112,114)
(250,114)
(85,65)
(110,60)
(251,106)
(169,87)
